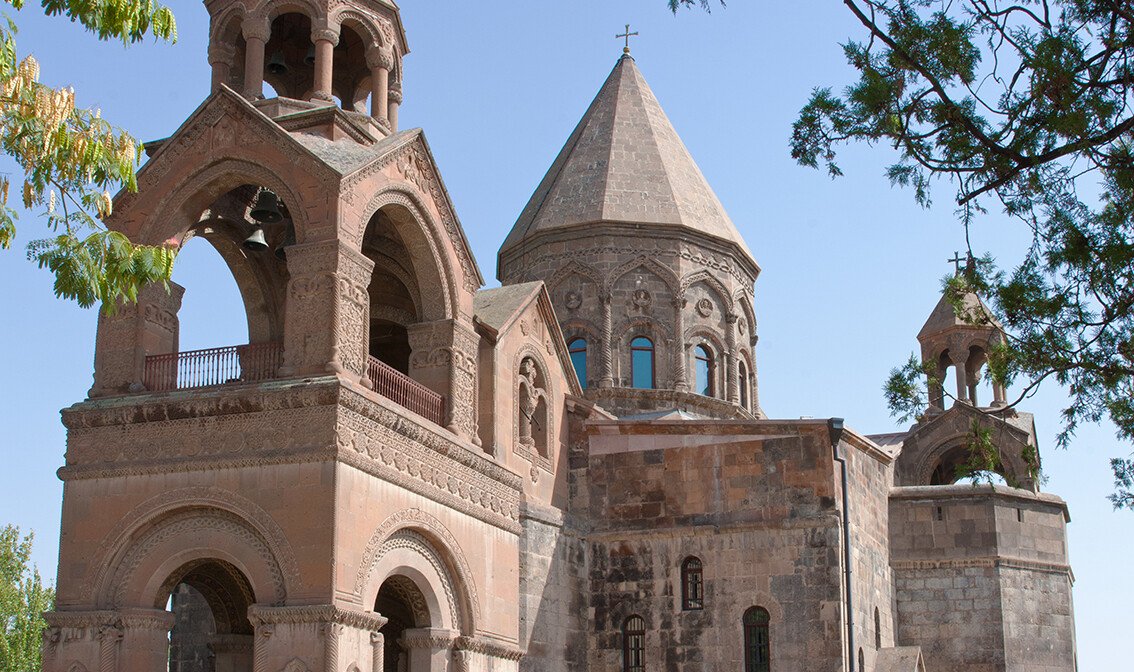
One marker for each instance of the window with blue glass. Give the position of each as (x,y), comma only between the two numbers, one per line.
(642,363)
(578,351)
(704,370)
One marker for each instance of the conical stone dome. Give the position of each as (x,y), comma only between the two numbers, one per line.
(625,163)
(650,280)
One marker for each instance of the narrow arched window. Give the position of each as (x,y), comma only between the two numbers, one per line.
(877,629)
(743,385)
(757,648)
(634,645)
(703,370)
(642,363)
(578,351)
(692,584)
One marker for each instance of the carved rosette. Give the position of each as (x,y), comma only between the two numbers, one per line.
(328,309)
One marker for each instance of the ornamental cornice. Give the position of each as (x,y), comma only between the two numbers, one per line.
(318,613)
(80,619)
(428,638)
(487,647)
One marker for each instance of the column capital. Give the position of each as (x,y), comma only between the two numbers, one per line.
(379,57)
(221,53)
(256,28)
(325,34)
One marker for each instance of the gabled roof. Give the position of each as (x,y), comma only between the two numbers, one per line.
(496,310)
(348,159)
(944,317)
(625,163)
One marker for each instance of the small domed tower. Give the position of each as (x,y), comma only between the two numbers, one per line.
(312,54)
(963,342)
(650,279)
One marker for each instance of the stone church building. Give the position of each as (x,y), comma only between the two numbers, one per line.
(404,471)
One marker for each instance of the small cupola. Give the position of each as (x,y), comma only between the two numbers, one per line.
(349,55)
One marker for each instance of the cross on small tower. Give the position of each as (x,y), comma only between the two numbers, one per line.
(956,261)
(627,34)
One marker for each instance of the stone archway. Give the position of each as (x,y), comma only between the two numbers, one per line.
(211,632)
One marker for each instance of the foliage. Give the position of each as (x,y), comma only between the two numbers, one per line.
(23,598)
(1025,106)
(72,158)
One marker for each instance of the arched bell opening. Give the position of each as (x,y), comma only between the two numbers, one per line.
(209,599)
(394,293)
(289,56)
(349,69)
(404,607)
(978,358)
(250,228)
(950,469)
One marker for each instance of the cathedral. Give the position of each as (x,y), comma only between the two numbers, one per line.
(403,471)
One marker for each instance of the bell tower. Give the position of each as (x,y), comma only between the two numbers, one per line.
(311,54)
(316,499)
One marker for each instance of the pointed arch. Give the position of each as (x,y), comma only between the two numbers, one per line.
(271,9)
(712,282)
(668,277)
(576,267)
(361,24)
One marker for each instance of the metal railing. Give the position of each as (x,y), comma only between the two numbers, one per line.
(405,391)
(214,366)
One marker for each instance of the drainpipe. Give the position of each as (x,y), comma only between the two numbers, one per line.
(835,431)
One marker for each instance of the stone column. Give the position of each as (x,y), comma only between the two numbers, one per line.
(395,99)
(145,640)
(331,634)
(999,395)
(380,60)
(328,310)
(960,360)
(378,652)
(127,335)
(732,358)
(325,40)
(444,359)
(220,58)
(429,648)
(257,32)
(680,382)
(606,352)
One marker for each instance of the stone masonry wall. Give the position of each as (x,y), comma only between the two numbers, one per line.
(981,578)
(753,501)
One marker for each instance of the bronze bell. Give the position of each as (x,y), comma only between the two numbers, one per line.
(288,241)
(309,59)
(255,242)
(267,208)
(277,66)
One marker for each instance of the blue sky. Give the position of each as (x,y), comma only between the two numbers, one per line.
(851,267)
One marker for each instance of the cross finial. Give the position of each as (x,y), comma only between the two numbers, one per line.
(627,34)
(956,261)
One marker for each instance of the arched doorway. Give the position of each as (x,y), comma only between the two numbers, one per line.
(402,603)
(209,599)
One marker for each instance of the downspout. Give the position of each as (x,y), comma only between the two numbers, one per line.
(835,431)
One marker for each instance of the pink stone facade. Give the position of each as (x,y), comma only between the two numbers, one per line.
(404,471)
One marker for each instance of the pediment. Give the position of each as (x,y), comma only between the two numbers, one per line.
(959,419)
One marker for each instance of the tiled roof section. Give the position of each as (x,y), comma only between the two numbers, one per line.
(497,306)
(625,163)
